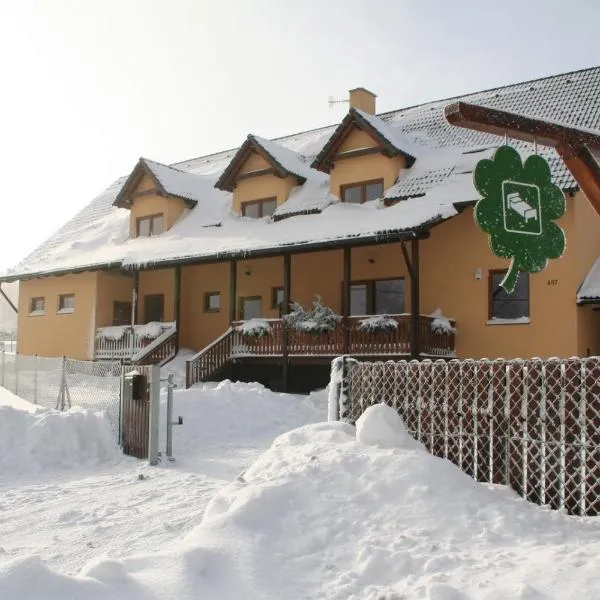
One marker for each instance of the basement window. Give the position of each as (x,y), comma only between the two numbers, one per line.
(37,306)
(361,192)
(66,304)
(150,225)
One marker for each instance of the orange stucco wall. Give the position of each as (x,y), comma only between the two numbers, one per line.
(199,328)
(363,168)
(264,186)
(111,287)
(254,162)
(159,281)
(54,334)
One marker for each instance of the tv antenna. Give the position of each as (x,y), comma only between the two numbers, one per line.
(333,101)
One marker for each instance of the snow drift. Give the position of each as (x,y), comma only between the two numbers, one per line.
(34,438)
(322,515)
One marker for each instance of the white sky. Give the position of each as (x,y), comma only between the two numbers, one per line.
(88,86)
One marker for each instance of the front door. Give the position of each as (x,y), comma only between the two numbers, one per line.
(154,308)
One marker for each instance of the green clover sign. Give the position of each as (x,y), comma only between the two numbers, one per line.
(518,209)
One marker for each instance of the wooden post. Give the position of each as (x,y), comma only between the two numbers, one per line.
(346,297)
(287,284)
(232,291)
(414,299)
(134,309)
(177,308)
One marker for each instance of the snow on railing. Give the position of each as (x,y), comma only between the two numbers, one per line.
(125,342)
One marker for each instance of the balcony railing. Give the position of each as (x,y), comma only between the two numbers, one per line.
(128,343)
(350,337)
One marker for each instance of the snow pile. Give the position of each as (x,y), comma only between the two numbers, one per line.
(149,331)
(378,323)
(440,323)
(34,438)
(380,425)
(322,515)
(254,328)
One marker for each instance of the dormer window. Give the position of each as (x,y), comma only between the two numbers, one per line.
(150,225)
(358,193)
(255,209)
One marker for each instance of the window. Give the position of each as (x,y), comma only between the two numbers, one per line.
(212,302)
(277,300)
(508,306)
(66,303)
(121,313)
(250,308)
(377,297)
(154,308)
(257,209)
(37,306)
(357,193)
(151,225)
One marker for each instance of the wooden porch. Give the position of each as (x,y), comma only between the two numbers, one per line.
(286,345)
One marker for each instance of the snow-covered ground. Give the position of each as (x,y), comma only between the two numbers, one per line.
(326,512)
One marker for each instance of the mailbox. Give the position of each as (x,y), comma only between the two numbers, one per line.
(137,382)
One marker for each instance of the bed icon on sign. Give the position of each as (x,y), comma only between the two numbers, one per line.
(521,208)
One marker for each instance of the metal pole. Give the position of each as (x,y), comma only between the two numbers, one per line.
(3,365)
(16,374)
(154,414)
(170,387)
(582,441)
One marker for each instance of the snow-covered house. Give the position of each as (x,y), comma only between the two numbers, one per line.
(373,215)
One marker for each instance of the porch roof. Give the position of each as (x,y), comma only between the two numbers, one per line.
(589,290)
(97,237)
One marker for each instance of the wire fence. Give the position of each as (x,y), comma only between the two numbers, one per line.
(61,383)
(531,424)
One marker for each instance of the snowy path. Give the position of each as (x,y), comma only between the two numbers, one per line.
(72,515)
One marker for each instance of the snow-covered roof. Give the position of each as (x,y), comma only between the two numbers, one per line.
(440,178)
(589,291)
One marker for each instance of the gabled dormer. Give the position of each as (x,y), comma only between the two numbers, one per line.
(157,195)
(261,175)
(364,155)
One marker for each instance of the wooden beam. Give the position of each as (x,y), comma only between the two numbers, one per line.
(177,309)
(232,291)
(415,310)
(257,173)
(500,122)
(134,298)
(346,296)
(578,148)
(8,299)
(585,169)
(287,284)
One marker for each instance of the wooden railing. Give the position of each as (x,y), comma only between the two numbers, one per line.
(127,341)
(210,360)
(160,351)
(347,338)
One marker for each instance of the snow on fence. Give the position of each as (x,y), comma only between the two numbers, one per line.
(531,424)
(64,382)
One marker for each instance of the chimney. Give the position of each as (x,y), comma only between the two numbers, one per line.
(363,100)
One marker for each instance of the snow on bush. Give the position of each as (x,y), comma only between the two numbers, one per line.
(381,425)
(320,319)
(254,328)
(31,440)
(440,323)
(378,323)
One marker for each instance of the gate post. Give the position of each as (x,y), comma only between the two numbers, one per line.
(154,414)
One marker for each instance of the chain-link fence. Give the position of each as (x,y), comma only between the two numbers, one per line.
(531,424)
(64,382)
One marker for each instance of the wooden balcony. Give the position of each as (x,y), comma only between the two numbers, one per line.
(154,343)
(348,338)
